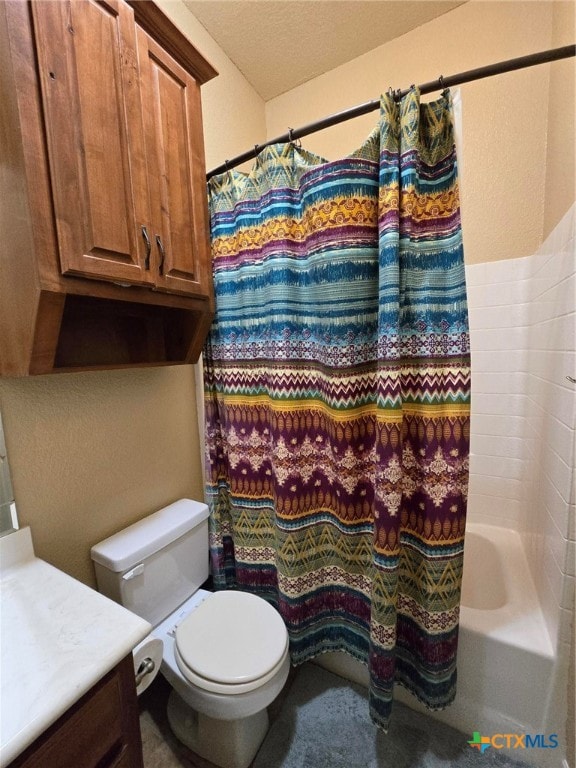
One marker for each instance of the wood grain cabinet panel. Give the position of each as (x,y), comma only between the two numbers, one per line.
(88,70)
(103,208)
(174,146)
(102,730)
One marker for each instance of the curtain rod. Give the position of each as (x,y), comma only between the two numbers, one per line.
(521,62)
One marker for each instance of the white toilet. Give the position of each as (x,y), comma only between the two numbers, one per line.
(225,653)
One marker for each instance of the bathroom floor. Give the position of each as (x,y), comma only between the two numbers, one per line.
(321,720)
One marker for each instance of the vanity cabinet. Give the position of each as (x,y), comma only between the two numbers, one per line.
(102,730)
(105,244)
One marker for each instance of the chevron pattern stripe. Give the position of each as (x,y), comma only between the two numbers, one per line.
(337,397)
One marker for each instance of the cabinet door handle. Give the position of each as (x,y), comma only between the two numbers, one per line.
(162,254)
(148,247)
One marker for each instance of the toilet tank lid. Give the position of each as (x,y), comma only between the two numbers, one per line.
(149,535)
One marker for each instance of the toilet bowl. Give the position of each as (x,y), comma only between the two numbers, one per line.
(225,653)
(218,705)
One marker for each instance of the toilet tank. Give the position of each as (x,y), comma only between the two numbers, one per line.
(156,564)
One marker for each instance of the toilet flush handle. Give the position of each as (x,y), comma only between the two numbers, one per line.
(146,667)
(133,572)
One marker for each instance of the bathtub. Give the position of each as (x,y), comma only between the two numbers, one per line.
(505,656)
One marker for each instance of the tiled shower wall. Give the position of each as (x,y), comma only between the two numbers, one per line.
(523,322)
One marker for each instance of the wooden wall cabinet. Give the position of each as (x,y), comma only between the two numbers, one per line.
(104,226)
(102,730)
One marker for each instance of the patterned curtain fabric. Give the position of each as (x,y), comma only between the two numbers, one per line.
(337,392)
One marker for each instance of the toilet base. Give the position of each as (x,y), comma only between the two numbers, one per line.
(227,743)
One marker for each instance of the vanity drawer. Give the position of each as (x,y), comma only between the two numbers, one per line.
(100,731)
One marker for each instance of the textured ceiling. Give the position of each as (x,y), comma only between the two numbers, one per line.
(279,44)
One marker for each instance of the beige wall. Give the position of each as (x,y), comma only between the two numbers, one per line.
(93,452)
(505,118)
(560,160)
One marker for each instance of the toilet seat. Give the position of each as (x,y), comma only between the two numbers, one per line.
(232,643)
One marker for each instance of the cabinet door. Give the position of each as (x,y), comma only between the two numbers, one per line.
(101,730)
(176,172)
(88,70)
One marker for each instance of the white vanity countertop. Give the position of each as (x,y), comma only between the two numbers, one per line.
(58,637)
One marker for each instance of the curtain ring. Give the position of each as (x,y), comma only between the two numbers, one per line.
(256,149)
(226,165)
(295,142)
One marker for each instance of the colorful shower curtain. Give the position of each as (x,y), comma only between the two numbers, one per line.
(337,395)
